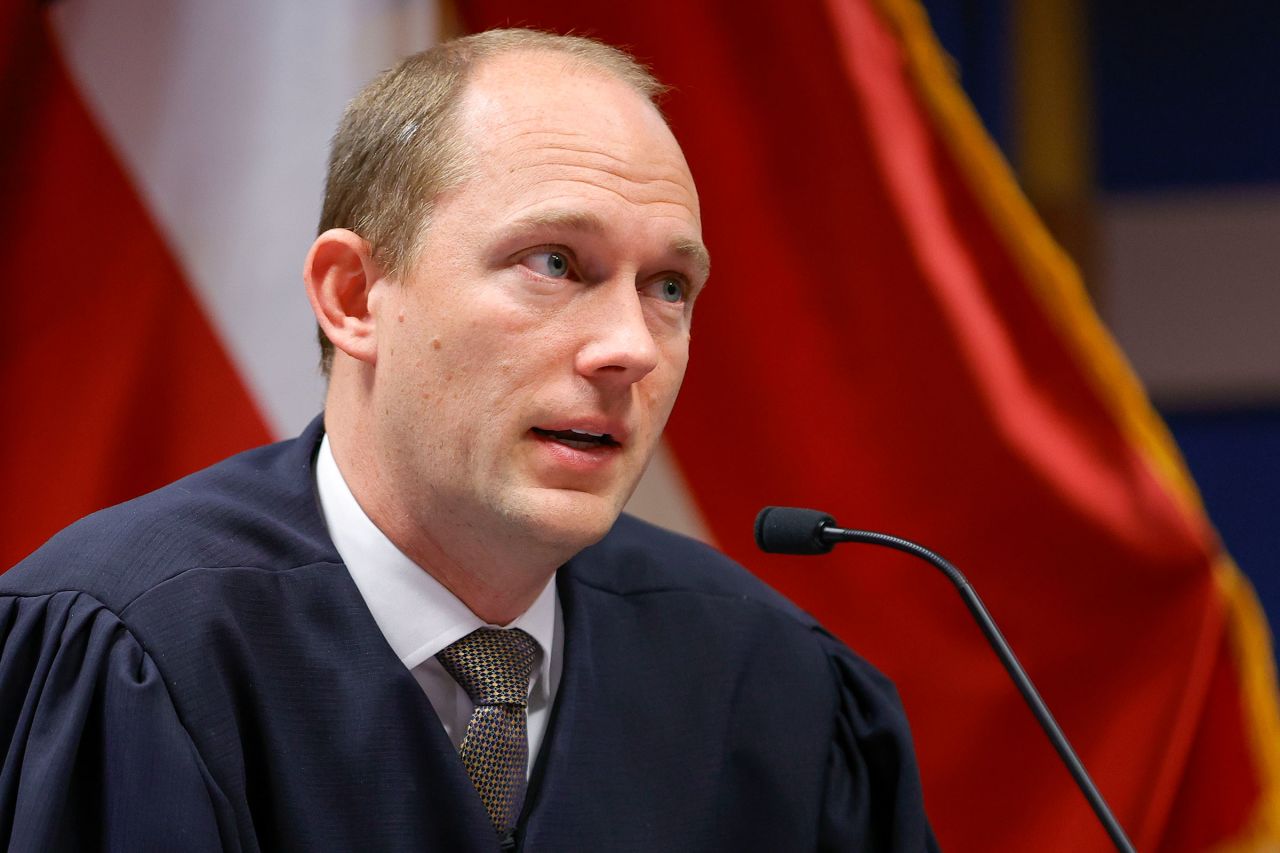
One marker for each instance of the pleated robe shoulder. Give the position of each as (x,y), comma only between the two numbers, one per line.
(195,670)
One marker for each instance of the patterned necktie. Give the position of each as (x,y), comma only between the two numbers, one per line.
(493,666)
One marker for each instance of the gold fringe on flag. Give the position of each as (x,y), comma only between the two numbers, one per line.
(1057,283)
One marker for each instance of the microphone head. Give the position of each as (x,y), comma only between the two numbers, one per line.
(792,530)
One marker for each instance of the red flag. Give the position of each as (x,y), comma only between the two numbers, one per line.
(891,335)
(159,187)
(115,381)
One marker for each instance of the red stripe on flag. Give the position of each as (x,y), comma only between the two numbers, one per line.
(870,344)
(114,380)
(1211,805)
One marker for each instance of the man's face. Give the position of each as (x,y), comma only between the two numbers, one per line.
(528,362)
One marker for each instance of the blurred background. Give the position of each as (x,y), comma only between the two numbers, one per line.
(1147,135)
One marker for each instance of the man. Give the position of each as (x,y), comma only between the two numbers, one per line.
(422,624)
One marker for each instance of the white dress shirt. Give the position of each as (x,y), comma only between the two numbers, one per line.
(419,616)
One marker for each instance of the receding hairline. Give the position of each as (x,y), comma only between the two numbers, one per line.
(582,51)
(486,50)
(629,73)
(471,85)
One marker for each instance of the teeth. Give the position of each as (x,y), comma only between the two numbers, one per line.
(584,432)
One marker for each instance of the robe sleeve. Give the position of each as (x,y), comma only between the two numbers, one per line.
(873,799)
(95,755)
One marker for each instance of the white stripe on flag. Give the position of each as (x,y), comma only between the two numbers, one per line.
(222,113)
(664,499)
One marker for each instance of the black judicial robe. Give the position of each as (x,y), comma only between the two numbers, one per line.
(195,670)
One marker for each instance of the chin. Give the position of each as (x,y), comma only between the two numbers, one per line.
(568,521)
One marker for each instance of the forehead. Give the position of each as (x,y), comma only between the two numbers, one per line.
(540,124)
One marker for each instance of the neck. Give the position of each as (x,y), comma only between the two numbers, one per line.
(498,599)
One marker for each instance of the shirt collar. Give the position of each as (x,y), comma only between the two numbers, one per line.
(414,611)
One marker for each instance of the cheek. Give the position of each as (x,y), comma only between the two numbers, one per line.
(675,360)
(661,387)
(475,381)
(481,358)
(515,346)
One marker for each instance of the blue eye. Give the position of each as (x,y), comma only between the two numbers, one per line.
(671,290)
(550,264)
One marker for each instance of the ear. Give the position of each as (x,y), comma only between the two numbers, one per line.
(340,272)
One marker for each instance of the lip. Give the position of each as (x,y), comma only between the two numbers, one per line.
(616,430)
(560,460)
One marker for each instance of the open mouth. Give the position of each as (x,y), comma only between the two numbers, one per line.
(579,439)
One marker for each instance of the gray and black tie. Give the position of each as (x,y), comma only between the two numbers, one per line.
(493,665)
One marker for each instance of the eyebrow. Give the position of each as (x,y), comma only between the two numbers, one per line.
(696,253)
(580,220)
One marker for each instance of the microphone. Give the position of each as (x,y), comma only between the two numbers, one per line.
(792,530)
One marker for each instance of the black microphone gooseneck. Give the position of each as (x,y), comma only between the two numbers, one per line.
(790,530)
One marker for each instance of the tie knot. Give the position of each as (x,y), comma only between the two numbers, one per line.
(492,665)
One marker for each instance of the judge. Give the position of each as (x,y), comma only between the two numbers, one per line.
(423,624)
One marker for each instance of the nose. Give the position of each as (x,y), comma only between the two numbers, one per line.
(619,347)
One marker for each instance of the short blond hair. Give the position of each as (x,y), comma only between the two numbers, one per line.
(398,145)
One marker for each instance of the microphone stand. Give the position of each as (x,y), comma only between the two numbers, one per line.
(1011,665)
(787,530)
